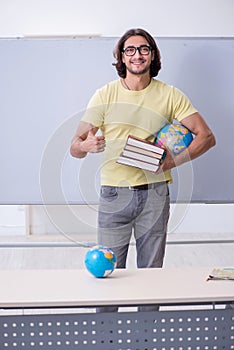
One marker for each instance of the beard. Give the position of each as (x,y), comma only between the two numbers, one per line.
(138,72)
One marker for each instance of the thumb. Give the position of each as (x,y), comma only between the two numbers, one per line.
(92,132)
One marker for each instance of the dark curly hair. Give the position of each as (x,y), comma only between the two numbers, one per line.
(120,66)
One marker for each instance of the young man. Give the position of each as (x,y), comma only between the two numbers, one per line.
(133,200)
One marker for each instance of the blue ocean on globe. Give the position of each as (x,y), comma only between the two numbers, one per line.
(176,137)
(100,261)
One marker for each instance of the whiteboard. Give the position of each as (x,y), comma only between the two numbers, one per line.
(45,85)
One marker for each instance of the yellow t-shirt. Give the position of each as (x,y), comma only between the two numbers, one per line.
(119,112)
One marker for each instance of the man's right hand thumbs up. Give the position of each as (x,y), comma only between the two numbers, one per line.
(93,143)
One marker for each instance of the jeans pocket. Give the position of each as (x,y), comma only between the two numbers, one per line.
(162,189)
(108,193)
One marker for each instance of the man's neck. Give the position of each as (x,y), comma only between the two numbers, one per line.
(136,82)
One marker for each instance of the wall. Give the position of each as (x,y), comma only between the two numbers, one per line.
(47,80)
(12,220)
(111,18)
(208,18)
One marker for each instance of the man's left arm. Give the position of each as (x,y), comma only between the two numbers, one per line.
(204,139)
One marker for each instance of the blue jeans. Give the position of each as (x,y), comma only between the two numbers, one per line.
(144,213)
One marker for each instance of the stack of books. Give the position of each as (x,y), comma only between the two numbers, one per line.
(142,154)
(226,273)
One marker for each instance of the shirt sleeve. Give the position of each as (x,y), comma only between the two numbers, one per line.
(182,105)
(94,113)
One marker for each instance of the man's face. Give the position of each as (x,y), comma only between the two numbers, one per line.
(137,64)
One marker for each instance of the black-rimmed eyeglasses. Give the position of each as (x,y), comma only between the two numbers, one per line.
(131,50)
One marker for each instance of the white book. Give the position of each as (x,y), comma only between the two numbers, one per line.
(142,151)
(137,163)
(139,156)
(134,141)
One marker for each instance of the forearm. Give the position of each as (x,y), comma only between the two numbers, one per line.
(77,148)
(201,144)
